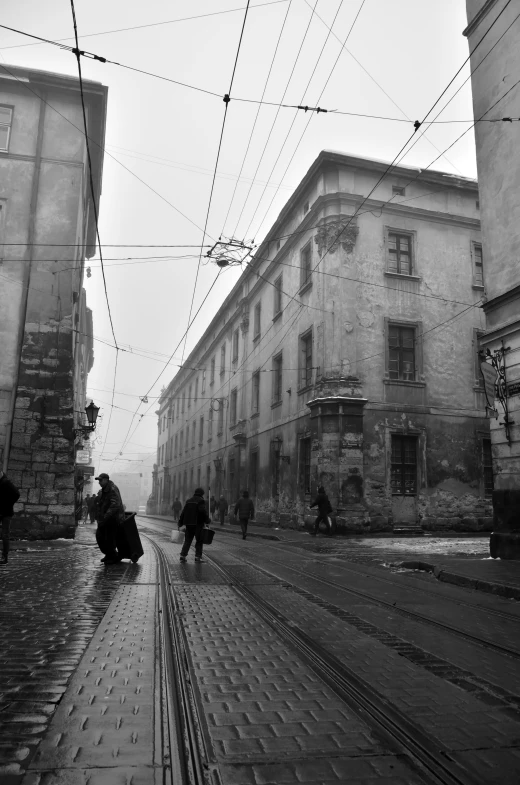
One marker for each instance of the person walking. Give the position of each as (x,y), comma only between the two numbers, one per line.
(223,508)
(324,509)
(176,507)
(9,495)
(92,508)
(194,516)
(84,511)
(212,507)
(245,510)
(109,513)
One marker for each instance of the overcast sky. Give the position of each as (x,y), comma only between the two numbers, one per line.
(401,55)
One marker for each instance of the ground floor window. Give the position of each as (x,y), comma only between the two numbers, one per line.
(487,466)
(232,477)
(253,472)
(305,465)
(404,465)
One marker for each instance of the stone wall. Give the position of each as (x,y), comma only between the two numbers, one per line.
(41,461)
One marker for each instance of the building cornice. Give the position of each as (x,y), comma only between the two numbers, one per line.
(502,299)
(477,19)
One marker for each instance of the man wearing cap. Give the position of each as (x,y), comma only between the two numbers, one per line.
(109,513)
(194,515)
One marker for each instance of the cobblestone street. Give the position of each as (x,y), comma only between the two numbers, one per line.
(302,658)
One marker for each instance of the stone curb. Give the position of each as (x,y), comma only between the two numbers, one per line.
(491,587)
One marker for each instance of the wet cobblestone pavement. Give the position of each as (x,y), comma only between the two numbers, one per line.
(80,698)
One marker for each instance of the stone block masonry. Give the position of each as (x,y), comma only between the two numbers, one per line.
(41,461)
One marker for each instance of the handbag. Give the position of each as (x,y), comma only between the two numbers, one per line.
(177,536)
(207,535)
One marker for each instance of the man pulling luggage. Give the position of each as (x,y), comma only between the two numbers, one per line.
(109,514)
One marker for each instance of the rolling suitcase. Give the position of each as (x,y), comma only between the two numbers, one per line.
(128,540)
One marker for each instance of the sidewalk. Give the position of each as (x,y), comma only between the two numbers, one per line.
(495,576)
(77,666)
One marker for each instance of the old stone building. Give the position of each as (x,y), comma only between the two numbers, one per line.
(494,73)
(47,229)
(345,355)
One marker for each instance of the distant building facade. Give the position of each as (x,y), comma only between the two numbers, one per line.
(498,164)
(345,356)
(47,229)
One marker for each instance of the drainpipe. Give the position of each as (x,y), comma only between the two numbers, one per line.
(27,276)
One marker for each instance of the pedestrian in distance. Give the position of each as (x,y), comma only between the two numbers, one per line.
(223,508)
(84,510)
(92,508)
(324,509)
(245,510)
(212,507)
(194,516)
(176,507)
(9,495)
(109,514)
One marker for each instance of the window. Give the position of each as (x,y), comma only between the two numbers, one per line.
(233,407)
(6,120)
(276,449)
(305,465)
(212,371)
(401,353)
(222,359)
(277,379)
(234,357)
(203,385)
(162,454)
(400,253)
(487,466)
(306,207)
(208,476)
(477,204)
(193,433)
(191,479)
(398,190)
(210,422)
(220,426)
(478,268)
(305,265)
(232,477)
(306,360)
(253,473)
(183,402)
(175,445)
(255,397)
(278,296)
(404,465)
(196,390)
(201,430)
(198,476)
(278,245)
(181,442)
(256,321)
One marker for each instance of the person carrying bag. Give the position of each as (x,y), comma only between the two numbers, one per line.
(194,516)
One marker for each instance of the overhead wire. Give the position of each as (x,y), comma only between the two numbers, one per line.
(257,114)
(310,118)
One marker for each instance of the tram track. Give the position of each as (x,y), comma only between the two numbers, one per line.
(414,615)
(183,737)
(425,755)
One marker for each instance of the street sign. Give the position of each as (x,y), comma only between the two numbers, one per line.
(83,456)
(489,375)
(85,470)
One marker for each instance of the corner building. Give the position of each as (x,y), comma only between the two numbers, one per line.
(495,95)
(345,355)
(47,229)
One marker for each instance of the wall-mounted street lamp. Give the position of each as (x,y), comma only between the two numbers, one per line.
(92,412)
(218,464)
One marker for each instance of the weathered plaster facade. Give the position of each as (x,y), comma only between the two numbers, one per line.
(295,382)
(495,95)
(47,230)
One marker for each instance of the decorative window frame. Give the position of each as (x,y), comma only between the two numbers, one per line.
(479,287)
(9,126)
(305,283)
(278,294)
(303,386)
(419,380)
(412,233)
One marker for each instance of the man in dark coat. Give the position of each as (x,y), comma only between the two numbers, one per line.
(223,507)
(109,513)
(324,509)
(9,495)
(194,516)
(244,509)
